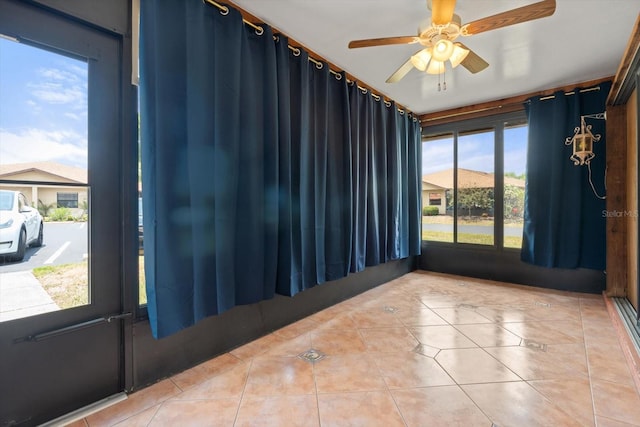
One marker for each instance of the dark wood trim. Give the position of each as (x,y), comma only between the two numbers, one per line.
(625,80)
(616,149)
(500,106)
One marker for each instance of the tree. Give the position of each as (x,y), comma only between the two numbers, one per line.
(481,198)
(513,201)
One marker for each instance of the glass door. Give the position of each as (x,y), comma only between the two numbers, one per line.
(60,215)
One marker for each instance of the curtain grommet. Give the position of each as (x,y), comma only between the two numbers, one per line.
(319,65)
(224,11)
(259,31)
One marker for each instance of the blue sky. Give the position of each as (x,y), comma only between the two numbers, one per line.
(43,106)
(475,152)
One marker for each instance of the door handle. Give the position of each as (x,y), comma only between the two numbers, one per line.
(72,328)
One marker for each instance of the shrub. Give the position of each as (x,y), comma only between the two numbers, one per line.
(61,214)
(45,209)
(430,211)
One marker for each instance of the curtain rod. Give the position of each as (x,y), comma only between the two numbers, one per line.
(544,98)
(224,10)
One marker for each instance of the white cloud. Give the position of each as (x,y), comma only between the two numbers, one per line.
(34,145)
(57,93)
(57,86)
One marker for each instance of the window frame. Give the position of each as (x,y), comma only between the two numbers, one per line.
(497,123)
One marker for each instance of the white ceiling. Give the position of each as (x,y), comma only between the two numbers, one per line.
(582,41)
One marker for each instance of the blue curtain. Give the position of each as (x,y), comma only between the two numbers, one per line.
(564,225)
(262,172)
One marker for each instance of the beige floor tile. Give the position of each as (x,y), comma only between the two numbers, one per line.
(563,361)
(362,409)
(279,376)
(196,413)
(140,420)
(572,396)
(226,385)
(517,404)
(294,411)
(296,329)
(257,347)
(79,423)
(473,365)
(438,407)
(549,332)
(461,316)
(618,402)
(374,318)
(292,347)
(388,339)
(205,371)
(489,335)
(391,360)
(338,341)
(352,372)
(606,362)
(419,317)
(608,422)
(407,370)
(502,314)
(135,403)
(442,337)
(340,321)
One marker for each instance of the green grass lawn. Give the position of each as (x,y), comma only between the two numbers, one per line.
(477,239)
(67,284)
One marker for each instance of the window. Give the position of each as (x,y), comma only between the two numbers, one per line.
(515,156)
(44,97)
(437,178)
(67,200)
(474,173)
(435,199)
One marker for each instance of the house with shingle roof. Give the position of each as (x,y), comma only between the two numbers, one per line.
(43,183)
(436,186)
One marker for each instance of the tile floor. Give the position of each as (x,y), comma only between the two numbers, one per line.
(423,350)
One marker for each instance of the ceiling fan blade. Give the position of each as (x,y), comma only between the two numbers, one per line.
(473,62)
(400,72)
(442,11)
(533,11)
(383,41)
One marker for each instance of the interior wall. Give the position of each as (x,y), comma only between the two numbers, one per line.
(632,198)
(505,266)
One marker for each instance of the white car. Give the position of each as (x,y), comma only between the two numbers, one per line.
(20,225)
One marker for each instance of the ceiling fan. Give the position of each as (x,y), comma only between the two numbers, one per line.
(438,39)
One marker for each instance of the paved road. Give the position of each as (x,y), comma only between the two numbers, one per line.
(64,243)
(472,229)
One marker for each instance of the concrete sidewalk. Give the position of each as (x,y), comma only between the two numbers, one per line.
(21,295)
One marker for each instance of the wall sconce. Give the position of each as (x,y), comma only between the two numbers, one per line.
(582,142)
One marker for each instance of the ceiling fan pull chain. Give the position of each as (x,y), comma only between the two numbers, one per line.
(444,77)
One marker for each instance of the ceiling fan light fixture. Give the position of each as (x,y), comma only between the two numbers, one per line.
(421,59)
(442,50)
(435,67)
(459,54)
(441,11)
